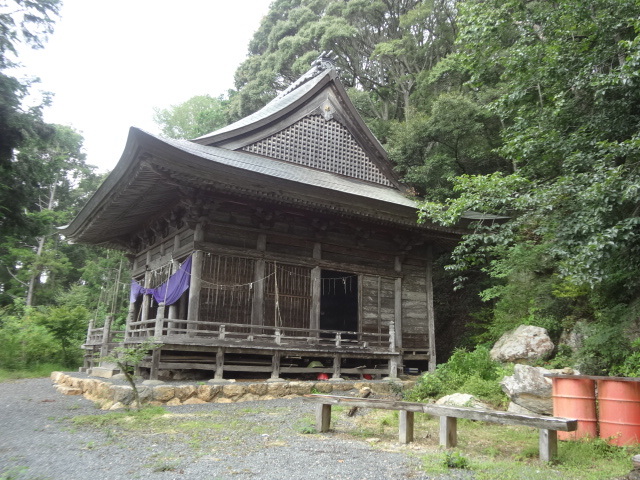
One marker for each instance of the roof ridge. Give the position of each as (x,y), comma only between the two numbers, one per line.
(325,61)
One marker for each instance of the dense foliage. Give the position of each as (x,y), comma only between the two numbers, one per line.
(48,289)
(520,109)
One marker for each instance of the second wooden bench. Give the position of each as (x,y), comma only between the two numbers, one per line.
(548,426)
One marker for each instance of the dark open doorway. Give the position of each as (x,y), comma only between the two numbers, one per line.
(339,301)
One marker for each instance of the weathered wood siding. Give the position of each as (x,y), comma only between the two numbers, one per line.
(415,329)
(377,304)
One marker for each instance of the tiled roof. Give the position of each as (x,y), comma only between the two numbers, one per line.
(296,173)
(276,105)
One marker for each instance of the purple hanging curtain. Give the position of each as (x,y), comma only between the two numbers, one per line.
(136,291)
(170,291)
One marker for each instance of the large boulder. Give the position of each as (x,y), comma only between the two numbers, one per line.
(530,389)
(524,344)
(462,400)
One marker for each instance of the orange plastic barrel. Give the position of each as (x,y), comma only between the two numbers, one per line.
(575,397)
(619,404)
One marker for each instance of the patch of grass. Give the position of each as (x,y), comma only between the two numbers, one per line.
(454,459)
(37,371)
(165,466)
(305,425)
(497,452)
(12,473)
(132,419)
(17,473)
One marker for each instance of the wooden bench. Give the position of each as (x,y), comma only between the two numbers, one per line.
(548,426)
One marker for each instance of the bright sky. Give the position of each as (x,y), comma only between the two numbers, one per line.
(110,63)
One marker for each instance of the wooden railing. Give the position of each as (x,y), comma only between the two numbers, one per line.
(178,331)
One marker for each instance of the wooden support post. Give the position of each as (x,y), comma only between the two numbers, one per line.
(155,364)
(393,367)
(159,327)
(130,318)
(337,363)
(106,336)
(398,304)
(173,309)
(146,299)
(219,375)
(275,365)
(431,322)
(323,417)
(195,282)
(548,444)
(257,302)
(316,292)
(448,431)
(405,431)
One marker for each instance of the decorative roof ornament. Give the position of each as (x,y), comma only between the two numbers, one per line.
(325,61)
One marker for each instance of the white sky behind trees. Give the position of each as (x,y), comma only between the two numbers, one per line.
(109,64)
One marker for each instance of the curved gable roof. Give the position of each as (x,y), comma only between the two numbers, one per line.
(315,94)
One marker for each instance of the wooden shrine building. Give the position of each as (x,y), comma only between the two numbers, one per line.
(281,241)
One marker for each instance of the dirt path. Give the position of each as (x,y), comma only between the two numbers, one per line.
(250,440)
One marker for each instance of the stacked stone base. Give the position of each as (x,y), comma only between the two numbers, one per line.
(110,396)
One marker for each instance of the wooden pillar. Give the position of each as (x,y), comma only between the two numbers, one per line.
(155,364)
(257,302)
(173,309)
(337,364)
(405,430)
(159,327)
(195,282)
(431,322)
(323,417)
(106,336)
(146,299)
(448,432)
(275,365)
(219,375)
(548,445)
(398,303)
(130,318)
(316,290)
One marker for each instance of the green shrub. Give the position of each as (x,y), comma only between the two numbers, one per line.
(465,372)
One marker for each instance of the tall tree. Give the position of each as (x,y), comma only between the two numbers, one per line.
(381,47)
(29,256)
(563,82)
(21,22)
(193,118)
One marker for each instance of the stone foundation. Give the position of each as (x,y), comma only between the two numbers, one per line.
(111,396)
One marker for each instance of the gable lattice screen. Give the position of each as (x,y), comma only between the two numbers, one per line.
(325,145)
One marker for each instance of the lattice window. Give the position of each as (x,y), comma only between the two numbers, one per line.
(226,293)
(287,297)
(325,145)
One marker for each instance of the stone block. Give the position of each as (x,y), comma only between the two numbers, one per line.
(163,393)
(207,393)
(184,392)
(233,391)
(324,387)
(258,389)
(300,388)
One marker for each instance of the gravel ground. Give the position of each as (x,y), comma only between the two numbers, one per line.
(39,441)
